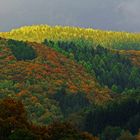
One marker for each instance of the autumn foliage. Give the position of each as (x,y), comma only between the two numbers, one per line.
(58,82)
(15,125)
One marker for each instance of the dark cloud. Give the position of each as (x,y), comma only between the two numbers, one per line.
(103,14)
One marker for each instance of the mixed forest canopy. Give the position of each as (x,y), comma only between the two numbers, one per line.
(110,68)
(51,76)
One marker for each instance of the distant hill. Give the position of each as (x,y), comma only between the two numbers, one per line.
(108,39)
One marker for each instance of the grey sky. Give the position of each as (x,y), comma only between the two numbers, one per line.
(123,15)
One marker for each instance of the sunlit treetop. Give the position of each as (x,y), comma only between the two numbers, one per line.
(110,39)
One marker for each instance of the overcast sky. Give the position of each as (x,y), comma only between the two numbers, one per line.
(118,15)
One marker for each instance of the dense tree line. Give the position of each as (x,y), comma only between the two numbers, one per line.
(114,117)
(14,125)
(115,120)
(126,45)
(21,50)
(71,103)
(110,68)
(118,119)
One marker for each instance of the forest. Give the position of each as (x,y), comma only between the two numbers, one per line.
(69,83)
(104,64)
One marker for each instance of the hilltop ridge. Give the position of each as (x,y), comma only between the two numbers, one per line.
(108,39)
